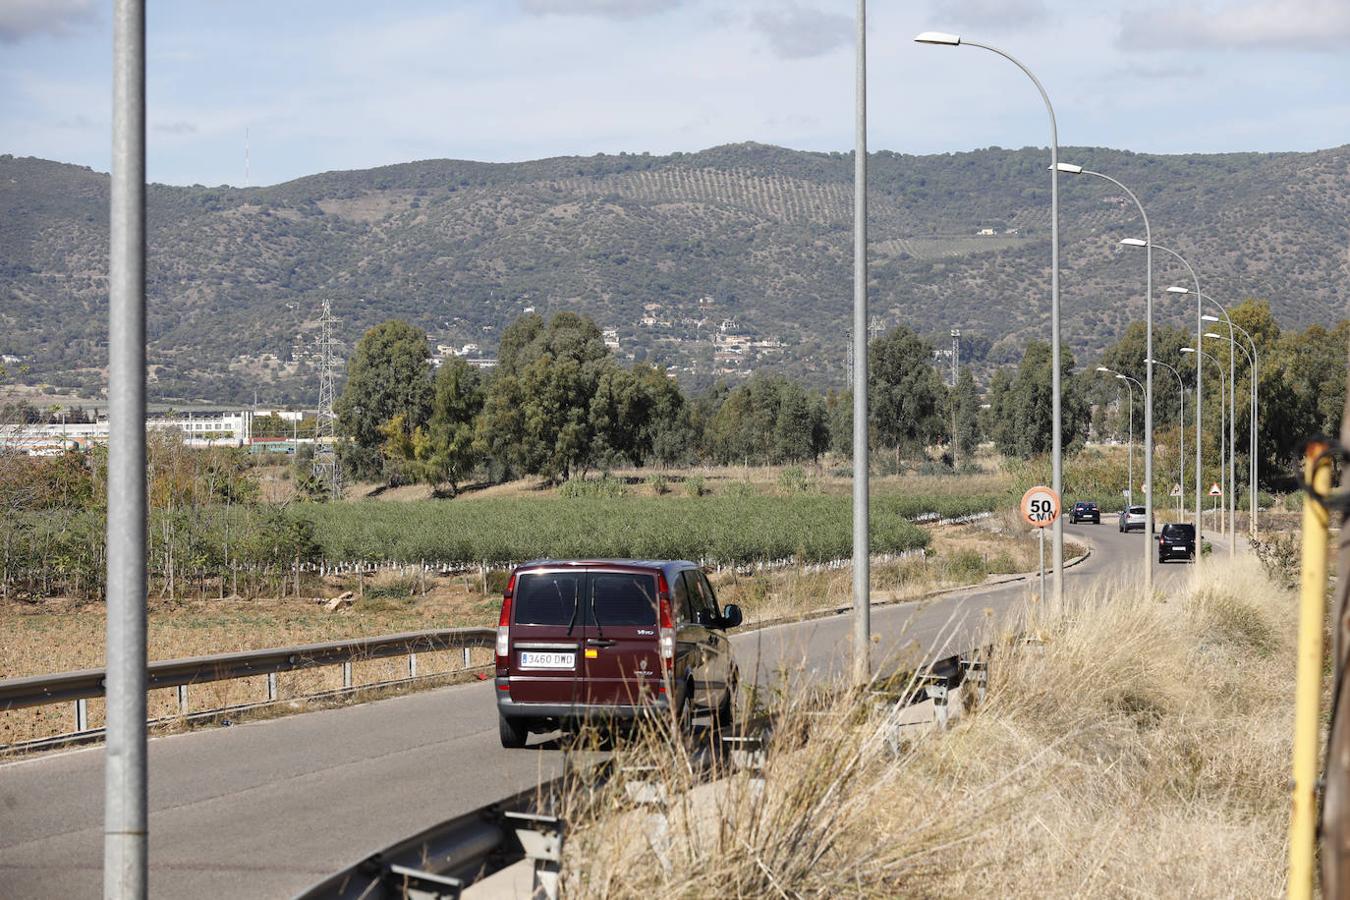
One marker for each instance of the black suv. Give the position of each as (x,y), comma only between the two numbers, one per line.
(1085,510)
(1176,540)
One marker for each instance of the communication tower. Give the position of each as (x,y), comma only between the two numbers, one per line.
(956,355)
(326,468)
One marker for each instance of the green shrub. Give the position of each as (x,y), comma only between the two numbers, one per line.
(579,488)
(658,484)
(694,487)
(793,480)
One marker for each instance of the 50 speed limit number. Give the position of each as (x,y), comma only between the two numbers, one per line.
(1040,506)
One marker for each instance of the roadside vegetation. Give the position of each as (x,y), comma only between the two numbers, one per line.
(63,634)
(1135,748)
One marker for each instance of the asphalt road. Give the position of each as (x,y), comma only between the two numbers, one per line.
(267,808)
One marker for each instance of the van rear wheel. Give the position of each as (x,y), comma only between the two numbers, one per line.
(514,732)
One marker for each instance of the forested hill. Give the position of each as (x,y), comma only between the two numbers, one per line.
(757,234)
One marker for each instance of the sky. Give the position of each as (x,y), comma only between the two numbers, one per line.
(303,86)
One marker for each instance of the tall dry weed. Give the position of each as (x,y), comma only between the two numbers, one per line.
(1133,748)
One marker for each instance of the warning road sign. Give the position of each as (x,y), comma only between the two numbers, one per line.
(1176,490)
(1215,490)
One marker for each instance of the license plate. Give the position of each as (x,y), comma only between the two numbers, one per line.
(537,660)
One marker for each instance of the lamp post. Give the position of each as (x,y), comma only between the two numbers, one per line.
(1253,463)
(1232,438)
(862,560)
(1148,365)
(1129,484)
(1181,431)
(1199,375)
(1222,436)
(1056,414)
(1254,361)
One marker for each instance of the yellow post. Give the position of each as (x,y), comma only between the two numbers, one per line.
(1308,683)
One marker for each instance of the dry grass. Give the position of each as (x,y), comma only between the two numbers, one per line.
(1140,749)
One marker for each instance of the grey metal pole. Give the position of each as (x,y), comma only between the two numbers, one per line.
(1254,359)
(862,597)
(1181,431)
(124,823)
(1147,386)
(1199,399)
(1056,411)
(1129,385)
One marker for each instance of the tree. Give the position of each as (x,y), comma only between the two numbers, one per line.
(536,416)
(388,379)
(965,414)
(1022,407)
(907,395)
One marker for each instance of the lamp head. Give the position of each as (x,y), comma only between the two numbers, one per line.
(1173,289)
(1133,242)
(1211,334)
(1068,168)
(1208,318)
(1187,349)
(1122,378)
(938,37)
(1103,369)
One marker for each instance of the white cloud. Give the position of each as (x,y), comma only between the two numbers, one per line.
(1249,24)
(20,19)
(797,33)
(607,9)
(987,15)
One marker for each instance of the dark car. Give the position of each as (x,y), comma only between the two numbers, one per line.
(1176,541)
(610,640)
(1085,511)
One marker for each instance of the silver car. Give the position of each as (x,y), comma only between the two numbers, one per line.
(1132,517)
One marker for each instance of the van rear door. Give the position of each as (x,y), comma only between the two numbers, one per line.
(548,630)
(622,659)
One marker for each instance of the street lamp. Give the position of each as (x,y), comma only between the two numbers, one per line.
(1181,430)
(1253,360)
(1222,436)
(1148,365)
(1129,484)
(1232,438)
(1199,377)
(943,39)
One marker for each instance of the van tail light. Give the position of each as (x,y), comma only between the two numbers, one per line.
(667,633)
(504,624)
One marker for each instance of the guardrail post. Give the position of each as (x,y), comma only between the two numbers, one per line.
(271,686)
(412,665)
(542,839)
(651,793)
(347,674)
(81,715)
(182,699)
(467,661)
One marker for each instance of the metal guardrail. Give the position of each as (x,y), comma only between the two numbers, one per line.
(445,859)
(81,686)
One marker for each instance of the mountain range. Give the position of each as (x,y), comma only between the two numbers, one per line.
(669,252)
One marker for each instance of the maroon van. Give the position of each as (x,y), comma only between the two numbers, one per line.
(610,640)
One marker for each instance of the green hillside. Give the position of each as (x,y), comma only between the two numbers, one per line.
(460,248)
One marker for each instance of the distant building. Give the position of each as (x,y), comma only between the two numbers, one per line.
(985,232)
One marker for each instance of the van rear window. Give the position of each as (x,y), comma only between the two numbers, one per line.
(548,598)
(622,598)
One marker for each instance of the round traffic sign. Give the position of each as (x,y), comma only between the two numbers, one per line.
(1040,506)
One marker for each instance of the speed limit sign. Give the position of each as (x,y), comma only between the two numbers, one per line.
(1040,506)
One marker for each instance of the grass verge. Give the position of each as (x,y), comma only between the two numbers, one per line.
(1139,748)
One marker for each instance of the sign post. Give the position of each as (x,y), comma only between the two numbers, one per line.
(1040,508)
